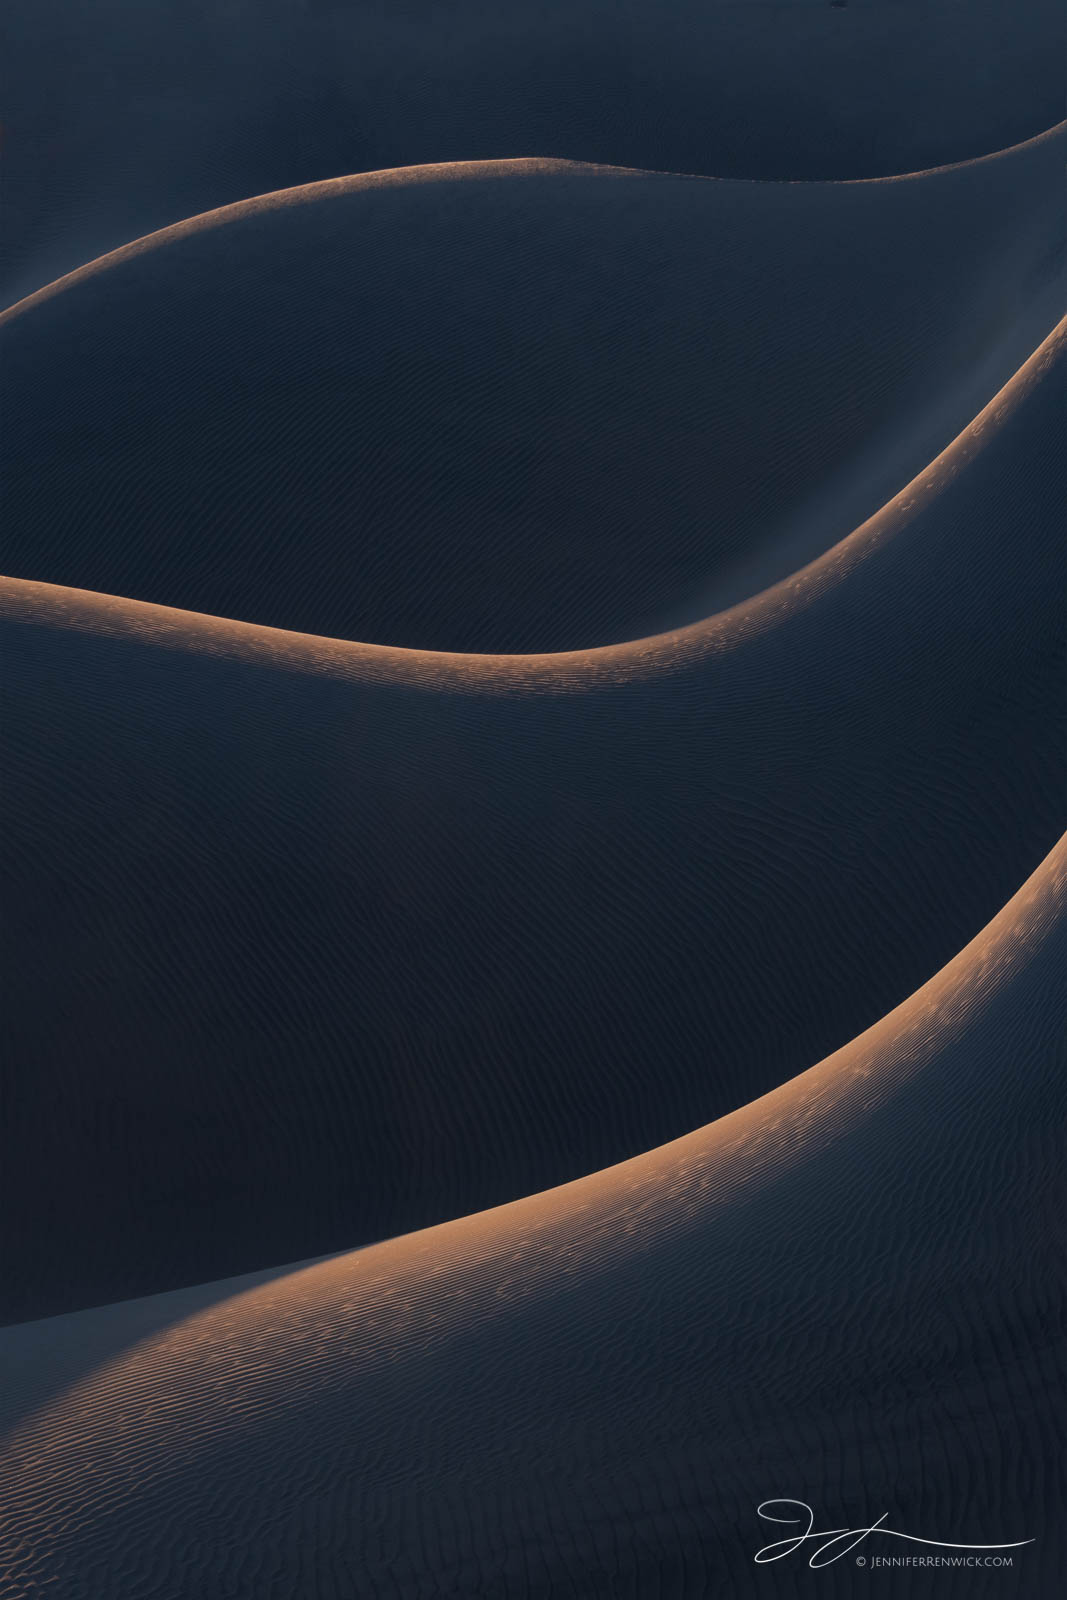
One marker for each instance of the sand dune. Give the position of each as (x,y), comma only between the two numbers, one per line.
(844,1293)
(505,661)
(347,952)
(513,407)
(148,114)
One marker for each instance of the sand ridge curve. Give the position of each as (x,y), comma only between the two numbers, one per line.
(562,671)
(749,1223)
(648,409)
(209,105)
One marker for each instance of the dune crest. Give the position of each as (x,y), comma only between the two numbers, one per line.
(565,671)
(203,107)
(371,1375)
(436,172)
(298,412)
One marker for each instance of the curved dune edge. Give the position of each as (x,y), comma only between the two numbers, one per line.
(448,171)
(567,672)
(758,1141)
(225,1364)
(741,1150)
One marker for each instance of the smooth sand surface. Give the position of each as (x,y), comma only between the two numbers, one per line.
(843,1293)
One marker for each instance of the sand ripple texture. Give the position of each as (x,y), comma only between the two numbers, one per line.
(533,743)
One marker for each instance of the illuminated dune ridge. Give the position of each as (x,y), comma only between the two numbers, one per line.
(517,406)
(155,113)
(504,663)
(821,1286)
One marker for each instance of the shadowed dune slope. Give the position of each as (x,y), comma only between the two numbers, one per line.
(122,117)
(846,1293)
(310,957)
(513,407)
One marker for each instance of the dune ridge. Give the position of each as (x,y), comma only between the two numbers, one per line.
(436,172)
(205,108)
(373,1375)
(650,410)
(169,627)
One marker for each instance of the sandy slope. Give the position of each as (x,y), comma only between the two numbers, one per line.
(310,957)
(845,1293)
(513,406)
